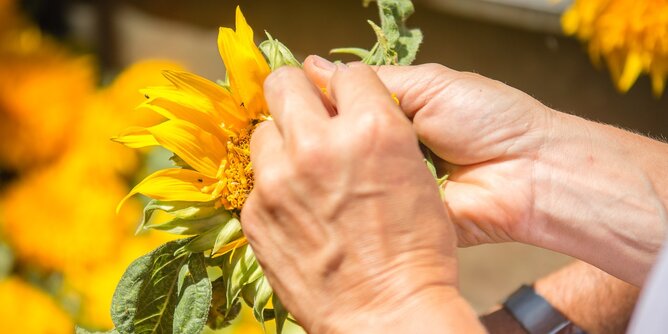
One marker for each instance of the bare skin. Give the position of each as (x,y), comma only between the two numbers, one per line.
(521,171)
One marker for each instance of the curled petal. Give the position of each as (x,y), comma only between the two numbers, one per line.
(174,184)
(136,137)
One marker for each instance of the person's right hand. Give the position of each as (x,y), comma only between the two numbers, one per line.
(520,171)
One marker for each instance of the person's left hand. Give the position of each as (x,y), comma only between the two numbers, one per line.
(345,218)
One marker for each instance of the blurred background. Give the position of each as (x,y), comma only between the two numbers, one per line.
(70,71)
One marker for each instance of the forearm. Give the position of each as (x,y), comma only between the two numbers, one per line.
(592,299)
(601,196)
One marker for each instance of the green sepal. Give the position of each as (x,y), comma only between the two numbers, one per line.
(183,226)
(263,293)
(429,161)
(220,316)
(280,313)
(225,83)
(156,295)
(179,162)
(241,269)
(277,54)
(231,231)
(204,241)
(178,209)
(359,52)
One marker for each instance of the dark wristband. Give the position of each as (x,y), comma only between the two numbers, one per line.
(536,315)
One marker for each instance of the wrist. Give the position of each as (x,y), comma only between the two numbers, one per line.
(432,310)
(593,190)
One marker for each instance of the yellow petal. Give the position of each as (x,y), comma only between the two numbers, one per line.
(570,21)
(246,67)
(225,108)
(632,68)
(197,103)
(231,246)
(197,147)
(136,137)
(659,71)
(174,184)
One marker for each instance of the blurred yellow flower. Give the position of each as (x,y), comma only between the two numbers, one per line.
(630,35)
(113,109)
(62,217)
(42,95)
(24,309)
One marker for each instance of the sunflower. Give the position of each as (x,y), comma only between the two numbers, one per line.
(630,35)
(208,127)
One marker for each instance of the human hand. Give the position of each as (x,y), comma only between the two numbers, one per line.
(520,171)
(489,134)
(333,217)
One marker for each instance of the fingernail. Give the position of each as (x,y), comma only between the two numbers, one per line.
(324,64)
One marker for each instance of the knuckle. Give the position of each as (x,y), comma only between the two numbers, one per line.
(383,130)
(268,185)
(433,68)
(308,151)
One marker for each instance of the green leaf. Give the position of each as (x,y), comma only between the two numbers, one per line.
(396,44)
(156,295)
(277,53)
(194,298)
(204,241)
(6,260)
(81,330)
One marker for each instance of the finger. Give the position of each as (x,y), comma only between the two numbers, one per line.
(294,102)
(356,87)
(412,85)
(266,146)
(415,86)
(320,70)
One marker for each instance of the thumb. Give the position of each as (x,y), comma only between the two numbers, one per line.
(414,86)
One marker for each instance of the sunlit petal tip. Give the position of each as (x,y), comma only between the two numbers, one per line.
(122,202)
(136,137)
